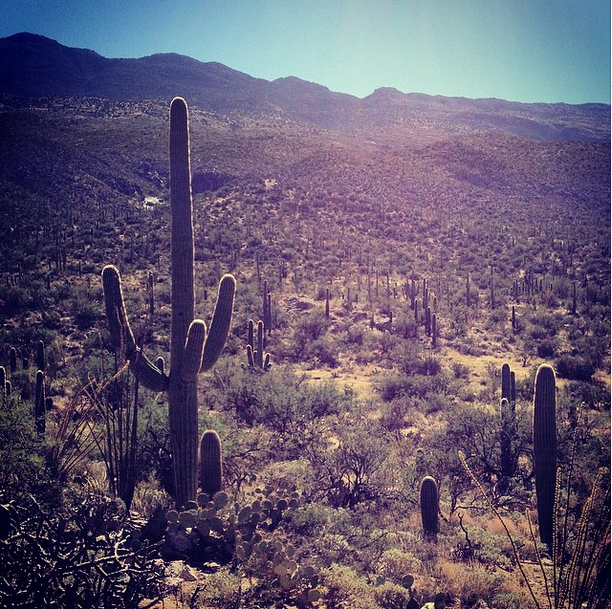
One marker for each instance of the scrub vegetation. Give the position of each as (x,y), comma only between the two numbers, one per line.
(422,415)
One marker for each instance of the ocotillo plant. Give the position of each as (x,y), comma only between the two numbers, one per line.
(193,349)
(211,463)
(545,449)
(429,507)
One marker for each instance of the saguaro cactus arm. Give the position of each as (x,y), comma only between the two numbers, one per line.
(194,350)
(121,333)
(220,324)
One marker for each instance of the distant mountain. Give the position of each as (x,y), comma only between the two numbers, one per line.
(35,66)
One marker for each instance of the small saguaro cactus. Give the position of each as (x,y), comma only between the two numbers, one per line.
(257,358)
(505,382)
(267,307)
(194,348)
(13,359)
(429,507)
(151,293)
(545,449)
(2,379)
(40,355)
(507,427)
(211,463)
(40,404)
(434,330)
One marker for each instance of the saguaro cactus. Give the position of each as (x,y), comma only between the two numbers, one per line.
(505,382)
(545,449)
(211,463)
(429,506)
(40,404)
(507,429)
(13,359)
(193,348)
(256,356)
(40,355)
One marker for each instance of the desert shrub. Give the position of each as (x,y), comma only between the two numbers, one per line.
(348,465)
(14,299)
(321,352)
(574,367)
(460,371)
(342,587)
(594,395)
(391,596)
(470,583)
(220,590)
(86,313)
(392,384)
(282,402)
(547,347)
(83,554)
(395,564)
(22,466)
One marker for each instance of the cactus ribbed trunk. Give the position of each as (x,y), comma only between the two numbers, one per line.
(182,393)
(545,449)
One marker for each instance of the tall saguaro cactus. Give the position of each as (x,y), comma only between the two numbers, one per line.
(193,347)
(545,449)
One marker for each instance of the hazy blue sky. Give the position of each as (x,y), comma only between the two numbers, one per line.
(522,50)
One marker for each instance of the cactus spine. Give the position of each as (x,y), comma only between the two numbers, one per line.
(211,463)
(193,349)
(429,507)
(545,449)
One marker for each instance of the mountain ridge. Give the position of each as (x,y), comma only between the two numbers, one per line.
(32,65)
